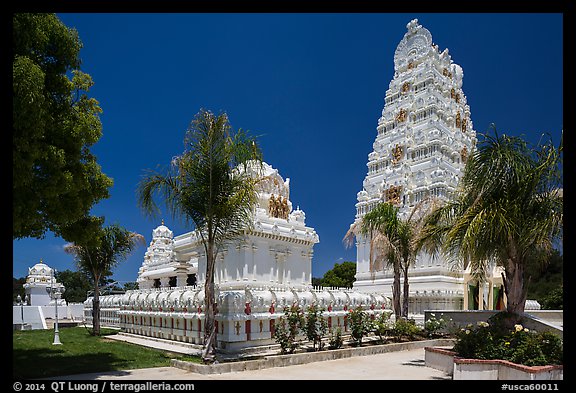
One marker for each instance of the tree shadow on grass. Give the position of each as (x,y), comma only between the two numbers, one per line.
(37,363)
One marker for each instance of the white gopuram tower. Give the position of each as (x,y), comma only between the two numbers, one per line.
(424,137)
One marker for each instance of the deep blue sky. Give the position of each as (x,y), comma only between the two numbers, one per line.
(311,86)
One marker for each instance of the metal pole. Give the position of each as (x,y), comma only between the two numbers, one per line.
(19,300)
(55,294)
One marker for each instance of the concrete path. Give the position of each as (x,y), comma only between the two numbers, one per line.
(402,365)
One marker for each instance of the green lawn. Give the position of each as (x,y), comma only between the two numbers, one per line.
(34,356)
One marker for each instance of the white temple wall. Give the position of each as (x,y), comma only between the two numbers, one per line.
(245,317)
(362,255)
(38,295)
(33,315)
(258,261)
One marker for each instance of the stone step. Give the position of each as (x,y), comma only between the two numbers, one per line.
(62,323)
(159,343)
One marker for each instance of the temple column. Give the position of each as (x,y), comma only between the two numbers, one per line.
(181,276)
(254,268)
(480,296)
(280,261)
(164,282)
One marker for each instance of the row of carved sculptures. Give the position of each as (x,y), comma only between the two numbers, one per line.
(402,116)
(278,207)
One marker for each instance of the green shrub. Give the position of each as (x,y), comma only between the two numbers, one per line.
(382,325)
(405,328)
(518,345)
(282,336)
(335,340)
(315,326)
(478,342)
(554,300)
(287,329)
(360,324)
(434,325)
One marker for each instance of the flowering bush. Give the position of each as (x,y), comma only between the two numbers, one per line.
(519,345)
(288,327)
(360,324)
(433,325)
(315,326)
(382,325)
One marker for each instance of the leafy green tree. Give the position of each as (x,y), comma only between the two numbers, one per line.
(129,286)
(210,184)
(341,275)
(554,300)
(108,247)
(55,178)
(508,209)
(77,285)
(544,278)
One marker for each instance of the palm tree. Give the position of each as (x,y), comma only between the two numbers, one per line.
(380,225)
(395,241)
(209,185)
(106,249)
(507,210)
(407,236)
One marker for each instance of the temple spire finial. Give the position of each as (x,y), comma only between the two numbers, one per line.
(413,26)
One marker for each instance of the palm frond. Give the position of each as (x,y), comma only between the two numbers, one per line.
(351,234)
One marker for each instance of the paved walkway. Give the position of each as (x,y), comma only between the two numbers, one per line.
(402,365)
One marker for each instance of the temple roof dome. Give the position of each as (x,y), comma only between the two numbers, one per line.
(162,231)
(40,269)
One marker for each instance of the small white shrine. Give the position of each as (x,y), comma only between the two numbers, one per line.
(424,137)
(40,278)
(263,271)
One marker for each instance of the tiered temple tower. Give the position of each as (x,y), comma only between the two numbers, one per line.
(424,137)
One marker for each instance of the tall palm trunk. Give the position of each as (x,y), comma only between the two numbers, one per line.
(514,287)
(406,289)
(209,354)
(96,310)
(396,292)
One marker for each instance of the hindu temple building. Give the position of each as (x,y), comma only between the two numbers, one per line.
(423,139)
(38,308)
(278,249)
(257,275)
(40,278)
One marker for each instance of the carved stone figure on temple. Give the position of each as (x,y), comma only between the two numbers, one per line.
(397,154)
(401,116)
